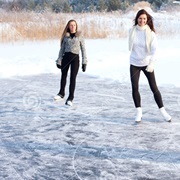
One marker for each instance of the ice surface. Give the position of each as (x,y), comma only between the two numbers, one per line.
(96,139)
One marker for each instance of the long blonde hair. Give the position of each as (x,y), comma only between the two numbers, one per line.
(66,29)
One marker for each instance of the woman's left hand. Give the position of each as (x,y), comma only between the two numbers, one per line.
(84,67)
(150,67)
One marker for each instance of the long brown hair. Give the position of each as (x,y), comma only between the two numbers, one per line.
(149,19)
(66,29)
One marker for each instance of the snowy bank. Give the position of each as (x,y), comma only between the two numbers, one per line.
(108,58)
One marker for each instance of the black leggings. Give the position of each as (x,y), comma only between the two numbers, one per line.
(69,59)
(135,74)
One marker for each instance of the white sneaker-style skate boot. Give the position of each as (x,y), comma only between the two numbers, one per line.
(166,116)
(138,115)
(58,97)
(69,103)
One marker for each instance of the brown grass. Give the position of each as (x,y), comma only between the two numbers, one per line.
(29,26)
(34,26)
(22,26)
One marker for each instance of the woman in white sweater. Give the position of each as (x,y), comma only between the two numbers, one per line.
(143,47)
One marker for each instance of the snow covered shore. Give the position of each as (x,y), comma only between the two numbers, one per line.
(108,58)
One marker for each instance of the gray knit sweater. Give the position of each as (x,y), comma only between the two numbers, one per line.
(73,45)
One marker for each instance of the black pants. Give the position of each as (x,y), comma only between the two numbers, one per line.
(135,74)
(69,60)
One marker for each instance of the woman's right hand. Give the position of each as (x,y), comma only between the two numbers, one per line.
(58,63)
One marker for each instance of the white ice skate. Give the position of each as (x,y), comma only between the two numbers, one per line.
(58,98)
(69,103)
(166,116)
(139,115)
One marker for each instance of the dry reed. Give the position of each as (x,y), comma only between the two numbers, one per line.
(22,26)
(35,26)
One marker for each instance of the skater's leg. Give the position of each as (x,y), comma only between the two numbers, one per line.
(152,83)
(64,72)
(74,72)
(157,94)
(135,74)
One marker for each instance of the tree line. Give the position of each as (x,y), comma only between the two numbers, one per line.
(76,6)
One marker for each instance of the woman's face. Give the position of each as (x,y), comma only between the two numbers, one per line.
(72,27)
(142,20)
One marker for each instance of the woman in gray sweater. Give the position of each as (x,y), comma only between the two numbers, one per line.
(71,44)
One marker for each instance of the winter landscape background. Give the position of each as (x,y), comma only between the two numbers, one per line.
(97,138)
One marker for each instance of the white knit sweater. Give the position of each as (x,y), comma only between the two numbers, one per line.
(140,56)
